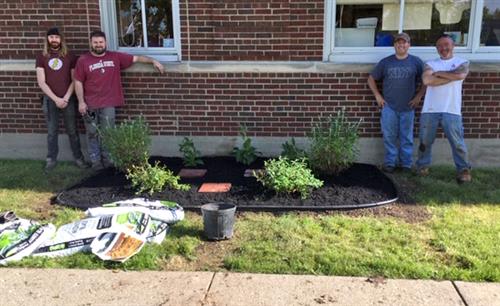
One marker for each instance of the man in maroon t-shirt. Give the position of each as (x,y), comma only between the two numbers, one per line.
(54,71)
(99,90)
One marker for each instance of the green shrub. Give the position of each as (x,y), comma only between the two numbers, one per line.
(151,179)
(191,155)
(247,154)
(292,151)
(288,176)
(127,143)
(333,144)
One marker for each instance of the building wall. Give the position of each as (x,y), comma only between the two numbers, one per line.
(23,25)
(214,101)
(265,30)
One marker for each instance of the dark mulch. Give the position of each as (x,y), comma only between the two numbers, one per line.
(361,185)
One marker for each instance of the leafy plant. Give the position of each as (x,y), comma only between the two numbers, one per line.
(292,151)
(151,179)
(288,176)
(333,144)
(247,154)
(127,143)
(191,155)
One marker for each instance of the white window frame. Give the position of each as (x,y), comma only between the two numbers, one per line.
(473,51)
(109,26)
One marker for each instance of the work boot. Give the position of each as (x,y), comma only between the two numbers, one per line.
(423,171)
(81,163)
(464,176)
(107,163)
(50,164)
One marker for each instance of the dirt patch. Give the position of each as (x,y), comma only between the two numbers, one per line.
(358,186)
(209,256)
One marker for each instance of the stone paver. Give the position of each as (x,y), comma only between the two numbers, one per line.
(250,289)
(215,187)
(192,173)
(101,287)
(480,294)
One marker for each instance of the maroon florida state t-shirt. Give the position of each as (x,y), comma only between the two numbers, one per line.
(101,79)
(57,71)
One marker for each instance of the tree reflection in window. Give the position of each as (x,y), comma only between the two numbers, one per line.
(159,23)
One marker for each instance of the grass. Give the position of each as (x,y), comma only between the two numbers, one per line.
(459,241)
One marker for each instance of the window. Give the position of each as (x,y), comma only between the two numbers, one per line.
(366,27)
(147,27)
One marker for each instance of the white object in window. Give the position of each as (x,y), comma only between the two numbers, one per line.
(143,27)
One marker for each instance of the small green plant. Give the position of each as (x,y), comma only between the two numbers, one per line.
(127,143)
(288,176)
(151,179)
(191,155)
(292,151)
(247,154)
(333,144)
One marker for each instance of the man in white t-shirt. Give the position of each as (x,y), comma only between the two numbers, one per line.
(442,106)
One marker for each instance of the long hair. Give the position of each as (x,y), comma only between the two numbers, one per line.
(63,50)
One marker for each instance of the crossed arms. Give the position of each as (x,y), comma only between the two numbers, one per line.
(438,78)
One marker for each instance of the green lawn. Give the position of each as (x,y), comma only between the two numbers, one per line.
(459,241)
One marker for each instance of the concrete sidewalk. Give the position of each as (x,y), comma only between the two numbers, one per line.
(103,287)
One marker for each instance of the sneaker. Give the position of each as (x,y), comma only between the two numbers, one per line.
(464,176)
(82,164)
(96,166)
(388,169)
(50,164)
(423,172)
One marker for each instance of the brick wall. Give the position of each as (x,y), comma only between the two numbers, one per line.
(252,30)
(269,104)
(23,24)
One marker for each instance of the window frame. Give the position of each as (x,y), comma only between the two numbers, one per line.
(473,51)
(109,26)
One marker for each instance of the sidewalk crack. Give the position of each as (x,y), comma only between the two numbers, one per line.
(205,298)
(459,293)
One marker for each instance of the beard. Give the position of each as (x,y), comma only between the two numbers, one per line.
(55,45)
(98,51)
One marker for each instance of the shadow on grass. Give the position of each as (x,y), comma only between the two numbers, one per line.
(30,175)
(441,187)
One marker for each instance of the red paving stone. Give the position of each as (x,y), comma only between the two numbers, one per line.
(215,187)
(190,173)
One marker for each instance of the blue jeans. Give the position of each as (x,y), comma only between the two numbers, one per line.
(98,119)
(52,113)
(454,131)
(397,126)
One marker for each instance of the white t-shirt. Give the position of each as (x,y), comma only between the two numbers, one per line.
(444,98)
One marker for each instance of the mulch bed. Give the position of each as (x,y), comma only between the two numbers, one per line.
(362,185)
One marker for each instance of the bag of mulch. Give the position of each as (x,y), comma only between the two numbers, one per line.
(20,237)
(165,211)
(78,236)
(117,246)
(157,230)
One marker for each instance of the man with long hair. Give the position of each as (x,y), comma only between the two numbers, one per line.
(99,91)
(54,72)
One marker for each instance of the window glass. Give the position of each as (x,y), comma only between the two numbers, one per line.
(365,25)
(425,21)
(490,30)
(372,23)
(159,23)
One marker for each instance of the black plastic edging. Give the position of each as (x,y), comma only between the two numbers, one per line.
(272,208)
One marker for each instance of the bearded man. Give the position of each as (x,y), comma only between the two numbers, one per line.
(54,72)
(99,90)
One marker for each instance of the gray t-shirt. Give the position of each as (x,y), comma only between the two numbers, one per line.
(400,79)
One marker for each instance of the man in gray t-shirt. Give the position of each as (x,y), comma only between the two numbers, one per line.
(401,73)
